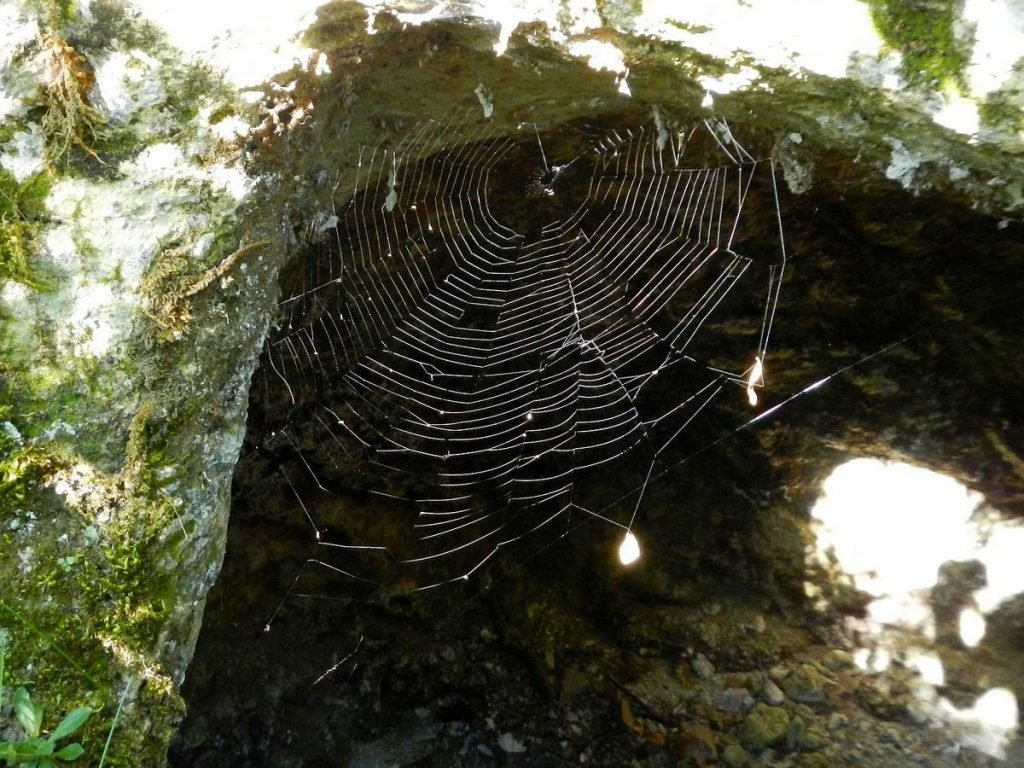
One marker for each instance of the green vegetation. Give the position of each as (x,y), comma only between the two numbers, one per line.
(33,750)
(923,31)
(22,211)
(94,541)
(606,8)
(1000,110)
(172,282)
(88,605)
(68,119)
(20,469)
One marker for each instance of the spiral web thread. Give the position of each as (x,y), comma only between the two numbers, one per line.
(489,368)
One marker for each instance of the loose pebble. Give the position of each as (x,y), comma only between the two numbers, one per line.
(771,693)
(735,756)
(806,684)
(733,700)
(763,727)
(702,667)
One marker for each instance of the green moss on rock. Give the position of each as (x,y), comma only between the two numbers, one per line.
(1002,110)
(82,599)
(22,211)
(763,727)
(924,32)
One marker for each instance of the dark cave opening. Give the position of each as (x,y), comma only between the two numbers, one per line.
(554,647)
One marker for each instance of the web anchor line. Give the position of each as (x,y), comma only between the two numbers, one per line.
(500,360)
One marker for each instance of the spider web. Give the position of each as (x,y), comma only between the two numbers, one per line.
(505,342)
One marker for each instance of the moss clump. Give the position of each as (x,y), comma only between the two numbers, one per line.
(763,727)
(613,8)
(21,468)
(924,32)
(22,212)
(172,282)
(87,607)
(69,120)
(1000,110)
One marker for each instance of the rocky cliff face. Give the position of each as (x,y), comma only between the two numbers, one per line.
(154,182)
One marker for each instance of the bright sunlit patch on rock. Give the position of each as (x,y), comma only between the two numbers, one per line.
(817,35)
(1001,553)
(907,611)
(972,627)
(602,56)
(987,725)
(91,318)
(740,80)
(997,708)
(958,114)
(572,17)
(872,659)
(17,29)
(629,549)
(248,41)
(998,40)
(928,665)
(892,525)
(889,528)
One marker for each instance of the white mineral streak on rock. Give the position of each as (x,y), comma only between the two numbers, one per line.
(127,82)
(903,164)
(18,28)
(660,127)
(486,99)
(26,153)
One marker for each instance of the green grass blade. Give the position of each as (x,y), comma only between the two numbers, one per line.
(113,724)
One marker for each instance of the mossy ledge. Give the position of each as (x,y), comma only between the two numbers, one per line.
(122,395)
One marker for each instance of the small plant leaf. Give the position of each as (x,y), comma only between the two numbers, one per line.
(32,748)
(71,723)
(15,752)
(70,752)
(29,714)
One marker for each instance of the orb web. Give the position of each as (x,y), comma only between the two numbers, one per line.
(503,334)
